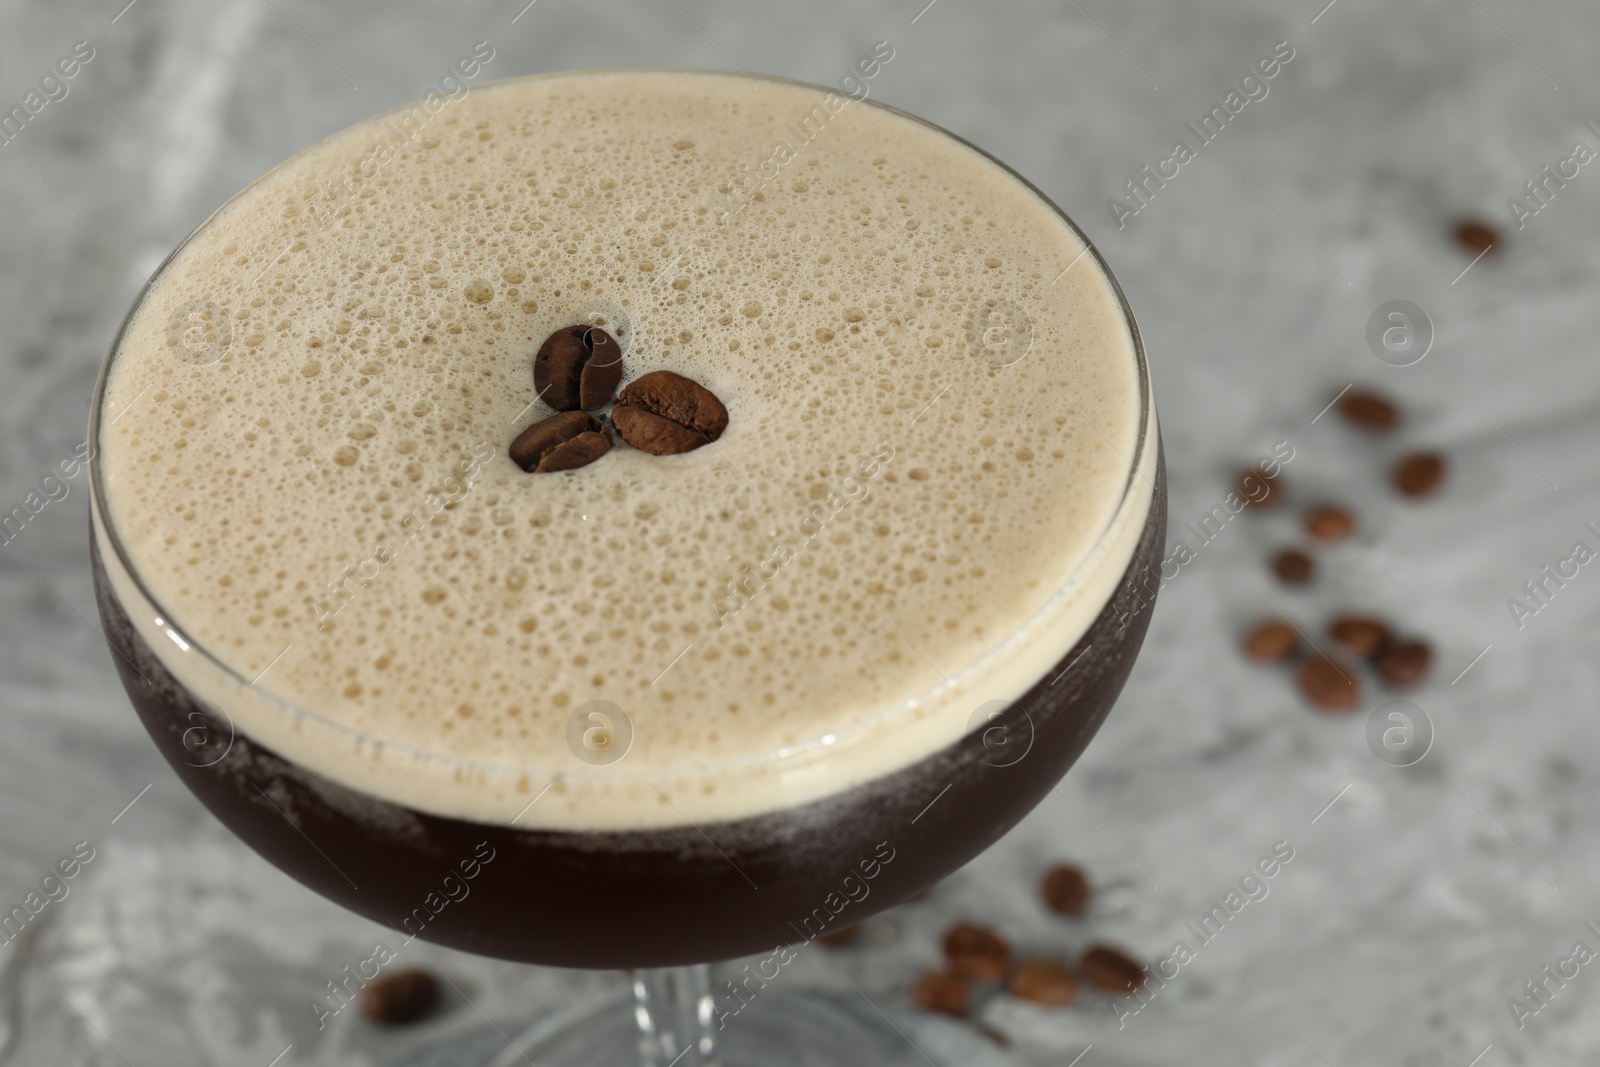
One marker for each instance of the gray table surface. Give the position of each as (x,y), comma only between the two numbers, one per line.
(1417,904)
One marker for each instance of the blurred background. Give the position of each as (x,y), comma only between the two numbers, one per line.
(1442,860)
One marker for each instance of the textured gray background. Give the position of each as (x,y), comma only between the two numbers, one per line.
(1416,904)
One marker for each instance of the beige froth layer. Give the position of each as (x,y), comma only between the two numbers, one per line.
(885,509)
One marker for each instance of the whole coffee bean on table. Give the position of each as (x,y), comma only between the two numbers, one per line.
(942,992)
(1065,890)
(1368,410)
(1271,640)
(1364,635)
(1293,567)
(561,442)
(1330,522)
(1419,473)
(1112,970)
(402,997)
(976,952)
(665,413)
(1328,685)
(1043,982)
(577,368)
(1405,664)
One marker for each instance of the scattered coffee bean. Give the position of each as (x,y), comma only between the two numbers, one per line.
(1329,522)
(577,368)
(1369,410)
(1405,664)
(1475,237)
(1112,970)
(665,413)
(1293,567)
(845,935)
(1362,634)
(943,992)
(1329,686)
(1271,640)
(1043,982)
(561,442)
(976,952)
(1065,890)
(1259,489)
(402,997)
(1419,473)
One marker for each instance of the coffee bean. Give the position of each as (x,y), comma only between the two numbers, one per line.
(561,442)
(845,935)
(1329,686)
(942,992)
(1362,634)
(1112,970)
(1270,641)
(976,952)
(402,997)
(577,368)
(1258,489)
(1369,410)
(1065,890)
(1405,664)
(665,413)
(1293,567)
(1475,237)
(1043,982)
(1329,522)
(1419,473)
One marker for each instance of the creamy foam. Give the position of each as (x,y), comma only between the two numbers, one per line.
(934,408)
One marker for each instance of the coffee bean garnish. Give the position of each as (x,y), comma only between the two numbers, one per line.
(1065,890)
(1405,664)
(976,952)
(1419,473)
(1112,970)
(1475,237)
(1369,410)
(561,442)
(577,368)
(1328,685)
(1043,982)
(1362,634)
(663,413)
(1293,567)
(1270,641)
(402,997)
(1330,522)
(943,992)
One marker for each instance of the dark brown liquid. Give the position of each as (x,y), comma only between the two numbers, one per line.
(659,897)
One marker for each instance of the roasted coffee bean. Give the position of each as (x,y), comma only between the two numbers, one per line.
(1329,686)
(402,997)
(1270,641)
(976,952)
(578,368)
(1405,664)
(1419,473)
(1259,489)
(1329,522)
(560,443)
(1475,237)
(1112,970)
(943,992)
(1293,567)
(1369,410)
(1065,890)
(1043,982)
(1362,634)
(665,413)
(845,935)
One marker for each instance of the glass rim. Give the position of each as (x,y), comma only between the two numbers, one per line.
(110,536)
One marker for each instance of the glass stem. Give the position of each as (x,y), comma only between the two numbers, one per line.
(675,1013)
